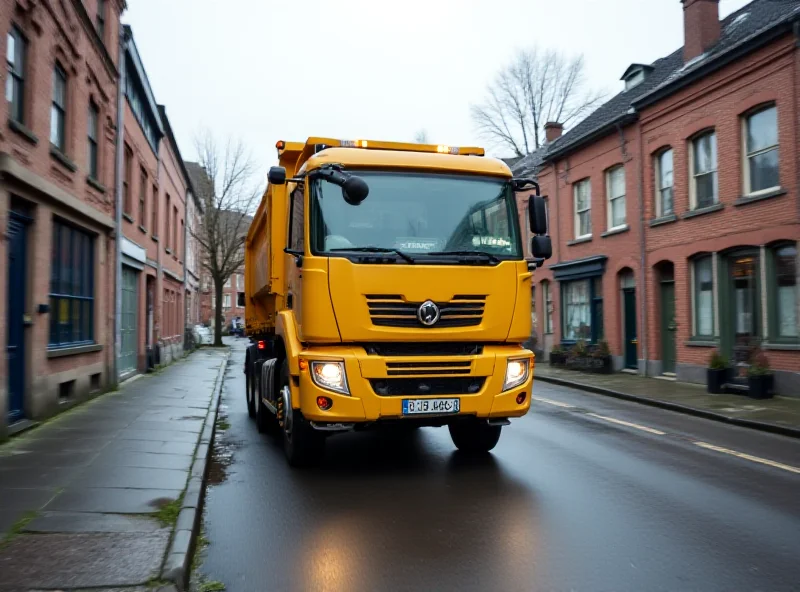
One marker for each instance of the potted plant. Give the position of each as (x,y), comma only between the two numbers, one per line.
(578,356)
(717,373)
(602,358)
(759,377)
(557,356)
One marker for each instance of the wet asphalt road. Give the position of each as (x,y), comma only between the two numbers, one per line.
(567,501)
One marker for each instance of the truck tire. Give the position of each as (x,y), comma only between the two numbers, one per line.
(303,445)
(266,422)
(474,436)
(251,386)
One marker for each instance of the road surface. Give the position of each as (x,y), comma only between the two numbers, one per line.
(584,493)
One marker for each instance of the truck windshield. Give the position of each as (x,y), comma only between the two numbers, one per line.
(418,214)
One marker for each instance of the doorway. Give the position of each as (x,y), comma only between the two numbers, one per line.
(745,309)
(15,347)
(630,341)
(666,275)
(129,335)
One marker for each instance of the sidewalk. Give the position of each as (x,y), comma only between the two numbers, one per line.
(779,415)
(106,495)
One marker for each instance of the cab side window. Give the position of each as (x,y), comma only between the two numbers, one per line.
(297,206)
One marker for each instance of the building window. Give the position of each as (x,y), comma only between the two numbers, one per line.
(175,231)
(761,148)
(704,188)
(785,292)
(167,227)
(71,286)
(583,209)
(577,310)
(154,226)
(94,117)
(100,19)
(240,299)
(58,109)
(182,236)
(665,191)
(16,48)
(226,301)
(142,195)
(127,207)
(548,307)
(615,189)
(703,283)
(227,283)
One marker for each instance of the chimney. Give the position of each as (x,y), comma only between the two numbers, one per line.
(553,130)
(701,28)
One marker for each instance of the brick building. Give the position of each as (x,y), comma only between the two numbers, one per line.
(57,154)
(674,207)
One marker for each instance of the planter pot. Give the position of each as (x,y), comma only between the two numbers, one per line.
(760,386)
(595,365)
(715,379)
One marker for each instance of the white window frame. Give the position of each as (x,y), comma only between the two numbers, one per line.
(227,283)
(694,297)
(226,300)
(577,219)
(609,210)
(547,301)
(746,156)
(659,190)
(693,174)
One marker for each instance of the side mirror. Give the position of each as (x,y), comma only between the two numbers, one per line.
(541,247)
(276,175)
(355,190)
(537,214)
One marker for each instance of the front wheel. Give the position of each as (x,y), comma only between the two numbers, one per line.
(474,436)
(302,444)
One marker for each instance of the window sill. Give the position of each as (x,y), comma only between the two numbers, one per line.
(701,211)
(577,241)
(143,229)
(748,199)
(23,131)
(128,217)
(782,346)
(694,342)
(96,184)
(617,230)
(61,352)
(168,251)
(155,238)
(56,153)
(669,218)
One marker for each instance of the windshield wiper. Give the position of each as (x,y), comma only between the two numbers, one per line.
(397,252)
(489,256)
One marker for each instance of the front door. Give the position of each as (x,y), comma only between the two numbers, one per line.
(631,341)
(668,327)
(15,293)
(128,330)
(746,310)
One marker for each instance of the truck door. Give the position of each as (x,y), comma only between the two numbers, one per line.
(294,297)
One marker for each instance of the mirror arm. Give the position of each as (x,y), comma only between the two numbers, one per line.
(521,183)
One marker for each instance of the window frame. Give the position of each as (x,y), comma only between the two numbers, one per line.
(695,295)
(547,301)
(93,125)
(59,111)
(226,300)
(82,291)
(659,188)
(175,230)
(127,205)
(154,217)
(298,191)
(167,227)
(100,19)
(747,155)
(595,307)
(694,175)
(588,210)
(16,74)
(144,182)
(609,200)
(773,307)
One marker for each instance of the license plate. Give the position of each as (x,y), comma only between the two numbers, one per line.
(438,406)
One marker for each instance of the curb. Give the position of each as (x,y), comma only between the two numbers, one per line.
(178,563)
(745,423)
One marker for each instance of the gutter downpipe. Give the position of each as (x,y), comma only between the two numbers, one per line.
(643,249)
(123,40)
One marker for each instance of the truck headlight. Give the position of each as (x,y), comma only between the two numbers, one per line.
(331,376)
(516,373)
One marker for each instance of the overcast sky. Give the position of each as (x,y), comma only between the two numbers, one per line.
(264,70)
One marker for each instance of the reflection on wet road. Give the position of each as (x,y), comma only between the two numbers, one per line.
(569,500)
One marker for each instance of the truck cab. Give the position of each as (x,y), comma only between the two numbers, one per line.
(386,284)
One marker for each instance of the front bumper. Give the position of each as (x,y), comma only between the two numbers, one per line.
(364,404)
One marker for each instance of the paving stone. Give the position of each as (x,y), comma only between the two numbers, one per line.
(132,477)
(152,460)
(113,500)
(63,522)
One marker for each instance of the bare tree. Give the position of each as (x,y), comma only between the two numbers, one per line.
(421,137)
(223,181)
(538,86)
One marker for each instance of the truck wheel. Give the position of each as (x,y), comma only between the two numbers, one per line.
(302,444)
(474,436)
(250,394)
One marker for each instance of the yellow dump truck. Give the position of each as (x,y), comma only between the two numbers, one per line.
(386,284)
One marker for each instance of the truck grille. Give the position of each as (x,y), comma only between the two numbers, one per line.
(423,349)
(391,310)
(395,387)
(427,368)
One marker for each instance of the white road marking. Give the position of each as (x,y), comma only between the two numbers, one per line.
(749,457)
(630,425)
(551,402)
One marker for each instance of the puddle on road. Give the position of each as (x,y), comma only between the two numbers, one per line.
(222,450)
